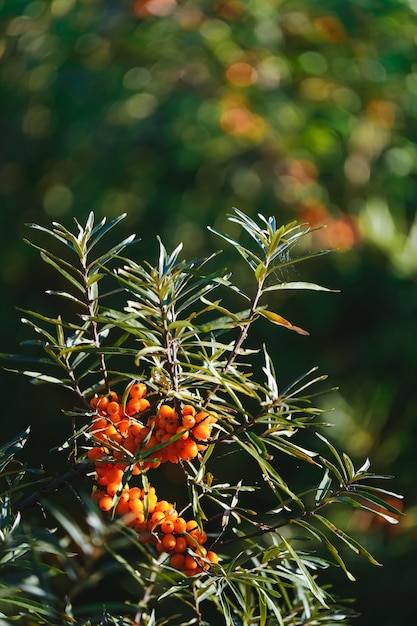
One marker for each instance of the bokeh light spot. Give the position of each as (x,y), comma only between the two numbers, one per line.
(241,74)
(57,200)
(313,62)
(136,78)
(59,8)
(141,105)
(36,121)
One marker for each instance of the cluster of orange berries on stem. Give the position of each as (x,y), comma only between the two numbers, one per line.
(167,436)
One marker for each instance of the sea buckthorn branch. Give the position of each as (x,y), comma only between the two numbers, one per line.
(73,342)
(191,396)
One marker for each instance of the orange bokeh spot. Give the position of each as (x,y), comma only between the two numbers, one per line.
(381,112)
(241,74)
(330,28)
(238,120)
(149,8)
(340,233)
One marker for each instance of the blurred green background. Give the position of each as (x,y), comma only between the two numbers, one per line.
(175,112)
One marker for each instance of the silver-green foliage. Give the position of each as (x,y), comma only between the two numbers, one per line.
(171,328)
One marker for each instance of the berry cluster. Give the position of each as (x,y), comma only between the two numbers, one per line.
(117,428)
(157,522)
(120,427)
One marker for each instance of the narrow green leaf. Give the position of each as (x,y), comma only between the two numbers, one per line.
(63,272)
(298,285)
(52,233)
(383,492)
(251,259)
(349,541)
(323,488)
(292,449)
(94,278)
(350,469)
(102,260)
(102,229)
(260,273)
(259,444)
(268,470)
(336,456)
(38,377)
(68,296)
(275,318)
(334,470)
(317,592)
(359,505)
(370,497)
(321,537)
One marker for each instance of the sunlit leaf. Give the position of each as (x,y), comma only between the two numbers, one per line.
(298,285)
(275,318)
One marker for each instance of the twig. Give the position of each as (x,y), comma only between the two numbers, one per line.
(52,487)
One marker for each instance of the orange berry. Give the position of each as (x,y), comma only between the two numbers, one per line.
(122,508)
(201,416)
(136,506)
(177,561)
(143,433)
(180,544)
(138,390)
(190,563)
(130,444)
(180,526)
(160,434)
(139,518)
(124,426)
(134,428)
(169,542)
(112,407)
(171,426)
(188,421)
(152,442)
(112,488)
(157,517)
(114,474)
(94,453)
(93,402)
(202,431)
(98,424)
(102,403)
(184,431)
(189,450)
(124,496)
(187,409)
(166,411)
(164,506)
(106,503)
(167,526)
(144,404)
(132,406)
(213,557)
(135,493)
(160,546)
(110,431)
(191,526)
